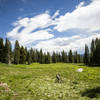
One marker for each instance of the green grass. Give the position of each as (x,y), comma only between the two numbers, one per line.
(74,85)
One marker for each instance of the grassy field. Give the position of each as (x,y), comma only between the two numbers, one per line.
(38,82)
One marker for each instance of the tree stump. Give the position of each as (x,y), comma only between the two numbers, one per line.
(58,78)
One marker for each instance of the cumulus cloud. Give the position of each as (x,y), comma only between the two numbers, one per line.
(27,38)
(59,44)
(80,5)
(56,14)
(24,29)
(83,17)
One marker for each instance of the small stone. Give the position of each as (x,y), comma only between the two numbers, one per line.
(80,70)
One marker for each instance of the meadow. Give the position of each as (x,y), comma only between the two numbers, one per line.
(38,82)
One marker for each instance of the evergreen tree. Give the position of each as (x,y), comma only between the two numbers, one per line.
(26,54)
(54,58)
(42,59)
(31,54)
(48,58)
(16,53)
(29,59)
(22,55)
(37,55)
(86,55)
(92,48)
(1,50)
(75,57)
(34,56)
(79,59)
(64,56)
(59,57)
(94,58)
(97,53)
(7,51)
(70,56)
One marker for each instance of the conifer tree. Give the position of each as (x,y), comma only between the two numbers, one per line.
(16,53)
(48,58)
(1,50)
(97,53)
(29,59)
(59,57)
(86,55)
(42,59)
(75,57)
(22,55)
(79,59)
(70,56)
(54,58)
(7,51)
(26,54)
(33,55)
(37,55)
(64,56)
(92,51)
(30,53)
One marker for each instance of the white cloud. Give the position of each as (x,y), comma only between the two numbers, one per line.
(56,14)
(80,5)
(84,17)
(59,44)
(27,38)
(24,29)
(39,21)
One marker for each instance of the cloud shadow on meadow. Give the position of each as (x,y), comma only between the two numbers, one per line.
(92,93)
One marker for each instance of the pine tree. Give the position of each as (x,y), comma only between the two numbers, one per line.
(64,56)
(34,59)
(86,55)
(26,54)
(92,48)
(70,56)
(1,50)
(32,55)
(54,58)
(97,53)
(79,59)
(37,55)
(7,51)
(29,59)
(41,59)
(22,55)
(59,57)
(16,53)
(48,58)
(75,57)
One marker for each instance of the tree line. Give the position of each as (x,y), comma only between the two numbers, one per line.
(92,54)
(21,55)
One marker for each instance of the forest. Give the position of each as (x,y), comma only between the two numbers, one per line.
(21,55)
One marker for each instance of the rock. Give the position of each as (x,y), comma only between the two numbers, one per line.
(80,70)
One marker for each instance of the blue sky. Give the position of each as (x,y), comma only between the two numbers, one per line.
(10,10)
(50,24)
